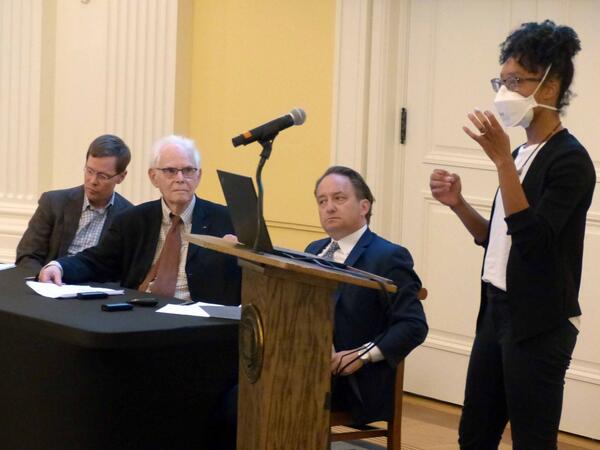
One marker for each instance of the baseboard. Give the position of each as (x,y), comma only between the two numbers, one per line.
(14,218)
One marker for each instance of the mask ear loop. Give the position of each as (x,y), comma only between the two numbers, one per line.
(538,87)
(543,79)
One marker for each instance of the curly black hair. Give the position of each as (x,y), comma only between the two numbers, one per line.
(537,45)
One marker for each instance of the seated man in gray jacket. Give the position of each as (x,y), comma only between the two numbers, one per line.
(68,221)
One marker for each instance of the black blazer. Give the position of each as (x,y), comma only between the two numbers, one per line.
(362,315)
(53,226)
(543,272)
(126,251)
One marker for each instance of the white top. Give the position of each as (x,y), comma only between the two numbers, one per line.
(496,258)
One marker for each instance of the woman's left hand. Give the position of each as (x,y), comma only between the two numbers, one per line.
(492,137)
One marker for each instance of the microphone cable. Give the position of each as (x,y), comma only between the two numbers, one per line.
(387,312)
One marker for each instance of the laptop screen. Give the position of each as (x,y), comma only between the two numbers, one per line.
(242,202)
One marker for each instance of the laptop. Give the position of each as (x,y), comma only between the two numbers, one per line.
(242,202)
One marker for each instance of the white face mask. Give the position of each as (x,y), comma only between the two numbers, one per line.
(515,109)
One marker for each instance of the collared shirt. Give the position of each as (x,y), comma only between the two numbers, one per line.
(181,288)
(347,244)
(90,226)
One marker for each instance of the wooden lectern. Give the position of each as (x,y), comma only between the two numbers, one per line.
(285,348)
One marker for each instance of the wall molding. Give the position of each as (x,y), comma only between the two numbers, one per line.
(294,226)
(483,204)
(593,219)
(584,371)
(19,210)
(463,160)
(580,370)
(15,217)
(477,202)
(441,340)
(597,168)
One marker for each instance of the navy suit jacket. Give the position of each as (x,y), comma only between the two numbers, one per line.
(127,250)
(53,226)
(364,315)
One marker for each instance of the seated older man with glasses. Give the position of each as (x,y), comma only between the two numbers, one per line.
(68,221)
(143,248)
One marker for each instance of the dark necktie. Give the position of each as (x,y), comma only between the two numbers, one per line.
(333,247)
(165,271)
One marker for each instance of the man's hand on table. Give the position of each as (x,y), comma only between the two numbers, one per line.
(50,274)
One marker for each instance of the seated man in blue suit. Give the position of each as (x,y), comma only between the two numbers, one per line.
(365,322)
(143,248)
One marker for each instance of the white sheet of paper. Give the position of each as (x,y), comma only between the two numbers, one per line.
(201,309)
(52,290)
(222,311)
(6,266)
(184,310)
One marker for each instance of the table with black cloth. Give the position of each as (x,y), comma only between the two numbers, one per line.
(75,377)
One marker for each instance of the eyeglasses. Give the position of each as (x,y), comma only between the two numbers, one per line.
(511,83)
(100,176)
(171,172)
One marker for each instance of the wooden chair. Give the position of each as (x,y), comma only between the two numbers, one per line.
(393,431)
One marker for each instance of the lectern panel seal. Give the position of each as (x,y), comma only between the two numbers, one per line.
(251,342)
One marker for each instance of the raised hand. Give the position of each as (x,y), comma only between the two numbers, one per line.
(445,187)
(492,137)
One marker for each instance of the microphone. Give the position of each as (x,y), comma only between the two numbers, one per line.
(269,130)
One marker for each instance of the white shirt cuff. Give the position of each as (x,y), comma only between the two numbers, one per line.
(55,264)
(374,353)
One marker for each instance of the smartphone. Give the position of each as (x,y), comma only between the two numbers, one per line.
(143,301)
(91,295)
(116,307)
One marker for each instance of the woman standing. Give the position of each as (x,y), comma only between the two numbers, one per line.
(529,315)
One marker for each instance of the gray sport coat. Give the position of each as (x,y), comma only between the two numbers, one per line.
(53,226)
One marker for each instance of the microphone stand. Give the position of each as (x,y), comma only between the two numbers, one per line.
(267,145)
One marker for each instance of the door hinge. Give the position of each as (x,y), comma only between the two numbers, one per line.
(403,126)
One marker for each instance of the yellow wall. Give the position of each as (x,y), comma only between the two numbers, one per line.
(253,61)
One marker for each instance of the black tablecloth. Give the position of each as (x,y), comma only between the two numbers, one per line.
(75,377)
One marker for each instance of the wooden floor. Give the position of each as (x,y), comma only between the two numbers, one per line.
(429,424)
